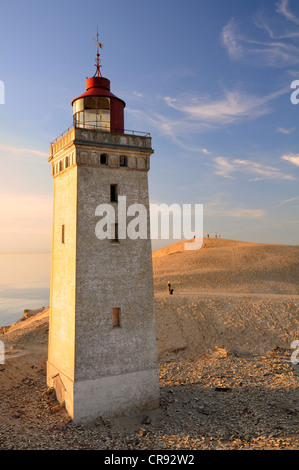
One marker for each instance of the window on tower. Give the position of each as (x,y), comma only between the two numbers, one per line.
(114,233)
(103,159)
(113,193)
(63,234)
(123,161)
(116,317)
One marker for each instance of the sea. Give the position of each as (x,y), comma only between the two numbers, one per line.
(24,284)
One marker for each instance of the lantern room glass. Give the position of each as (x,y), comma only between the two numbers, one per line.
(92,112)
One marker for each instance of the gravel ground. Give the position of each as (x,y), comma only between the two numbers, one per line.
(219,401)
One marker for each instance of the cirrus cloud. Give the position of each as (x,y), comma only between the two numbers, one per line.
(21,150)
(292,158)
(283,8)
(232,107)
(227,167)
(278,49)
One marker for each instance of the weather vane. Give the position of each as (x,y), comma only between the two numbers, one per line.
(99,45)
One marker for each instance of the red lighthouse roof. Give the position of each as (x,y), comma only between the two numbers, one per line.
(109,112)
(98,86)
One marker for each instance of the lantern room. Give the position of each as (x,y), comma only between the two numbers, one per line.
(98,108)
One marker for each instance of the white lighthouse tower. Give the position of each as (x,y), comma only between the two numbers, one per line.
(102,357)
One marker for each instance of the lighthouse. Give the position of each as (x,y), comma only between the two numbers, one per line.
(102,353)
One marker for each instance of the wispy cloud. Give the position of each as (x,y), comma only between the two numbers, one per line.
(274,32)
(188,147)
(283,8)
(220,206)
(282,130)
(287,201)
(232,40)
(21,150)
(274,51)
(292,158)
(228,167)
(246,213)
(197,114)
(172,128)
(232,107)
(224,167)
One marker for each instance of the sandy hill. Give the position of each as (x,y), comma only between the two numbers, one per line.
(236,296)
(26,347)
(233,295)
(228,266)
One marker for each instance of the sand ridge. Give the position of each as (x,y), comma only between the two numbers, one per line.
(229,266)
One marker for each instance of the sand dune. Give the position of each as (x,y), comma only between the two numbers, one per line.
(26,347)
(229,266)
(235,295)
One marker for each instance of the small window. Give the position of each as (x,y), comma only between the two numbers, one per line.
(123,160)
(67,162)
(116,317)
(114,234)
(103,159)
(63,234)
(113,193)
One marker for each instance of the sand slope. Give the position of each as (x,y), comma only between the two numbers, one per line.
(229,266)
(234,295)
(26,348)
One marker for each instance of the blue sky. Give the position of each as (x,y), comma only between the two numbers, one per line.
(210,80)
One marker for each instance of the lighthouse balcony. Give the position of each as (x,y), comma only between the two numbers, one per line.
(97,137)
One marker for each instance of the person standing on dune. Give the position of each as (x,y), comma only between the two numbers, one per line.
(170,289)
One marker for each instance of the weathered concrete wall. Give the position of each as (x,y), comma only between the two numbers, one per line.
(63,275)
(123,394)
(112,275)
(105,370)
(68,382)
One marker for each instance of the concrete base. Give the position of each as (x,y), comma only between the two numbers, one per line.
(57,378)
(120,395)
